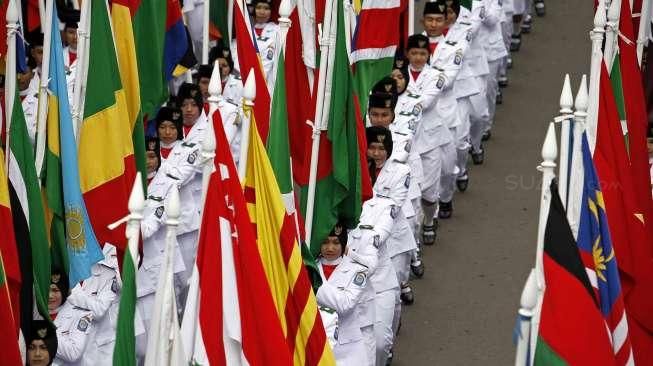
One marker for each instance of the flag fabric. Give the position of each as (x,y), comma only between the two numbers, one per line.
(29,216)
(374,47)
(121,14)
(572,330)
(82,247)
(164,345)
(223,322)
(106,152)
(600,259)
(176,43)
(627,230)
(342,187)
(124,352)
(219,24)
(277,242)
(249,60)
(10,354)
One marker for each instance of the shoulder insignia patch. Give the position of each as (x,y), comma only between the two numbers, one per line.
(408,146)
(458,59)
(335,333)
(440,83)
(468,37)
(192,157)
(270,54)
(394,211)
(376,241)
(114,286)
(417,109)
(159,212)
(83,324)
(407,181)
(360,279)
(412,125)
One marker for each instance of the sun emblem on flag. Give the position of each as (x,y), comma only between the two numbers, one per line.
(75,228)
(600,261)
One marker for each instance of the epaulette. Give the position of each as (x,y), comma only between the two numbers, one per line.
(188,144)
(401,133)
(407,114)
(451,43)
(465,23)
(366,227)
(438,68)
(328,310)
(155,198)
(238,77)
(230,101)
(81,308)
(171,176)
(411,95)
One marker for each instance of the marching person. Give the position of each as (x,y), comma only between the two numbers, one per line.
(169,130)
(29,100)
(41,342)
(152,157)
(267,38)
(232,85)
(70,53)
(203,77)
(59,290)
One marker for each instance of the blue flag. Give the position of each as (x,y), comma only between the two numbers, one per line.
(82,245)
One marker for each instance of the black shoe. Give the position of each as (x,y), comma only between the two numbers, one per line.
(515,42)
(509,62)
(527,24)
(407,297)
(429,233)
(499,99)
(462,183)
(388,362)
(446,210)
(417,269)
(486,135)
(478,157)
(540,9)
(503,82)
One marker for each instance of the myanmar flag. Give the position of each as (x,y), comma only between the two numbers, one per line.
(106,152)
(282,260)
(572,330)
(342,182)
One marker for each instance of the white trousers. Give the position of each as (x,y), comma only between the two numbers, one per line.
(384,303)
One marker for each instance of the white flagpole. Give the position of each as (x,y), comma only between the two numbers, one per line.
(527,304)
(566,102)
(43,88)
(205,33)
(136,204)
(327,49)
(577,178)
(547,167)
(10,69)
(644,29)
(596,35)
(83,42)
(249,94)
(612,33)
(43,13)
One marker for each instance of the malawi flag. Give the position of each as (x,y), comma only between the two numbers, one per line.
(342,186)
(224,324)
(9,262)
(29,216)
(282,260)
(106,151)
(572,330)
(62,173)
(374,47)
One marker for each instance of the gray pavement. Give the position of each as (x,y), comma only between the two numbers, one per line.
(466,303)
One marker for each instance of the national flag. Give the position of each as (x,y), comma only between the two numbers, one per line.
(32,15)
(600,259)
(10,354)
(249,59)
(63,192)
(627,230)
(374,47)
(571,330)
(177,42)
(29,215)
(10,267)
(106,151)
(342,179)
(277,242)
(223,322)
(219,24)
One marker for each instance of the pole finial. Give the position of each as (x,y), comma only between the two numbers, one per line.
(285,8)
(173,206)
(582,98)
(12,12)
(528,298)
(249,91)
(215,84)
(550,147)
(600,17)
(567,97)
(136,202)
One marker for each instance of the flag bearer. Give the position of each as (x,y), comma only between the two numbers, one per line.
(59,289)
(29,100)
(347,292)
(267,38)
(433,140)
(70,53)
(203,77)
(41,342)
(169,130)
(152,157)
(232,85)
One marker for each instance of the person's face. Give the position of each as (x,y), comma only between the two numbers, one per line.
(451,17)
(37,353)
(376,151)
(24,79)
(382,117)
(70,36)
(167,132)
(151,161)
(37,54)
(225,70)
(190,112)
(55,298)
(331,248)
(204,87)
(649,145)
(434,24)
(399,78)
(262,13)
(417,57)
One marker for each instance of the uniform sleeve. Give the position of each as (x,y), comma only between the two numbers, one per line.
(493,13)
(343,300)
(183,170)
(153,222)
(99,303)
(72,341)
(430,93)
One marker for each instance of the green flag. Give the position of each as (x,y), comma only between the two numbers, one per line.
(124,353)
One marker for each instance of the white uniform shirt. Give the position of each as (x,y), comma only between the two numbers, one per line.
(233,89)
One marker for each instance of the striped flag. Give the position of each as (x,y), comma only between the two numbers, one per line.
(600,259)
(82,246)
(374,47)
(282,260)
(224,322)
(106,151)
(124,353)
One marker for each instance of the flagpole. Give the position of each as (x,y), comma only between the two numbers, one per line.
(576,178)
(208,143)
(327,45)
(83,36)
(596,35)
(10,70)
(43,88)
(566,102)
(547,167)
(612,33)
(249,94)
(525,314)
(644,29)
(205,33)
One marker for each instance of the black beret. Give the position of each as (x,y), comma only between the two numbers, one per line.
(435,7)
(340,230)
(454,5)
(44,331)
(204,71)
(418,41)
(381,135)
(385,85)
(383,100)
(60,279)
(190,91)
